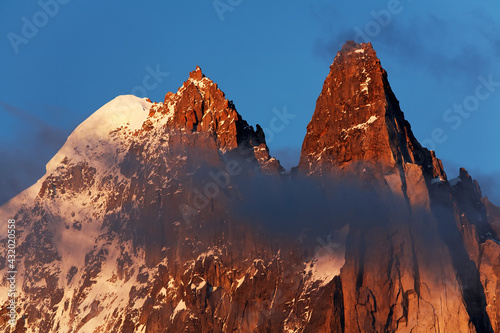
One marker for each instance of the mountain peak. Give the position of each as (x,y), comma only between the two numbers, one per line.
(153,218)
(200,106)
(358,125)
(125,114)
(351,45)
(197,74)
(351,50)
(350,112)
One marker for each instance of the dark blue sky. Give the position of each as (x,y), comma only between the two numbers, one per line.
(62,60)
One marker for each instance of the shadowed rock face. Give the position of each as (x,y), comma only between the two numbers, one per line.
(358,125)
(147,229)
(136,232)
(399,275)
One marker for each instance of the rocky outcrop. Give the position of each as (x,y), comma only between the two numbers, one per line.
(475,219)
(201,107)
(160,217)
(493,215)
(489,268)
(132,230)
(358,124)
(406,270)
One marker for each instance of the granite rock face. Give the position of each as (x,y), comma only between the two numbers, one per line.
(173,216)
(358,125)
(418,270)
(131,229)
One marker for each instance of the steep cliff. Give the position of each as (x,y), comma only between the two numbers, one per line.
(413,271)
(173,216)
(131,228)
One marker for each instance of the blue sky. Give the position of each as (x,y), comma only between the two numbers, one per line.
(264,55)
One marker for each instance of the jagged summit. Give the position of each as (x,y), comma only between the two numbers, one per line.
(351,46)
(197,74)
(147,221)
(198,106)
(358,129)
(200,81)
(352,106)
(358,124)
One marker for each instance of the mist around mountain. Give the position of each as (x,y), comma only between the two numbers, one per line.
(174,216)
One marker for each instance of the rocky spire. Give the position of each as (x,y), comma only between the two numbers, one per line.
(358,126)
(136,226)
(200,106)
(359,129)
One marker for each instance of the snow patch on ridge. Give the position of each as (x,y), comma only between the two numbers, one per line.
(126,111)
(180,307)
(364,85)
(438,180)
(240,282)
(328,259)
(11,207)
(363,126)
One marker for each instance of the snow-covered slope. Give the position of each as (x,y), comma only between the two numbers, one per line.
(124,112)
(104,243)
(141,223)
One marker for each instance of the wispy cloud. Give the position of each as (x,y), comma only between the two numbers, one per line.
(24,161)
(288,156)
(458,49)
